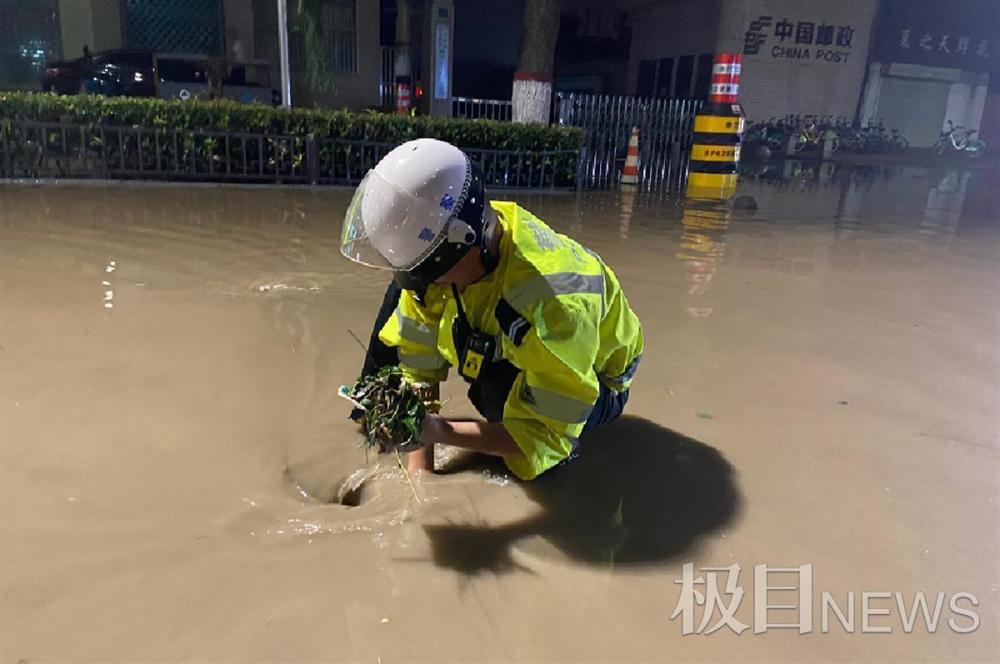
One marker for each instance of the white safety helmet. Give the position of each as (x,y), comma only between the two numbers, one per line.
(416,213)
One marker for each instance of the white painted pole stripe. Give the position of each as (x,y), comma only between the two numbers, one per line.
(723,68)
(725,88)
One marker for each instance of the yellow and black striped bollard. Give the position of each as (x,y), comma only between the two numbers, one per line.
(718,133)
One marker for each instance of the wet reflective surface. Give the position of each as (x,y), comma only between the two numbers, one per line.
(819,387)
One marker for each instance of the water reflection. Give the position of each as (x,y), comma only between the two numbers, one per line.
(627,204)
(109,293)
(792,206)
(702,250)
(876,198)
(843,197)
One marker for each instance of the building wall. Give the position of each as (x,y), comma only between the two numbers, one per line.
(780,76)
(593,48)
(353,91)
(896,104)
(107,24)
(265,36)
(238,33)
(175,26)
(671,30)
(682,27)
(967,100)
(93,23)
(933,62)
(793,75)
(75,27)
(989,124)
(919,100)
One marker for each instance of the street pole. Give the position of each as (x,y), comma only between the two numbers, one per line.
(286,78)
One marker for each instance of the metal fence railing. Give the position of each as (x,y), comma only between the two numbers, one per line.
(488,109)
(346,162)
(507,169)
(48,149)
(45,149)
(664,136)
(387,78)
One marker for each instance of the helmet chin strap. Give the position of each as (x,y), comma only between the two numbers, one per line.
(460,232)
(489,257)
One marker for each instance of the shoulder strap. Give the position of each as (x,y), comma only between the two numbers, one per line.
(513,324)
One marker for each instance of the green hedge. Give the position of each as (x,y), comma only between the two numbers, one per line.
(226,115)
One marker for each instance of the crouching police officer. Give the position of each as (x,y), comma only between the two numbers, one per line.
(535,323)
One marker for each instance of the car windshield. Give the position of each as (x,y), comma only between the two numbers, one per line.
(182,71)
(131,60)
(247,75)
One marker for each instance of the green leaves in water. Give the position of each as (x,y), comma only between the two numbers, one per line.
(390,409)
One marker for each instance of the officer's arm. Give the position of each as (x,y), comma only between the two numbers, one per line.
(553,396)
(485,437)
(412,330)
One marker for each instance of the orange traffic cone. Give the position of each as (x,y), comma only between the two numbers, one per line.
(630,174)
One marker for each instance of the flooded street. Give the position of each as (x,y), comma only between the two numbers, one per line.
(819,387)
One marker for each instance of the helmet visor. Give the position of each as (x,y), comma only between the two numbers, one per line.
(391,229)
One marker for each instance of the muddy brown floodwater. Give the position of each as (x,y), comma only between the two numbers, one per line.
(819,388)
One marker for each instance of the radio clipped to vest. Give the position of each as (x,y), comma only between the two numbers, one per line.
(480,363)
(475,349)
(478,351)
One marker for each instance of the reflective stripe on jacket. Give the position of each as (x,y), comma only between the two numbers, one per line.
(568,327)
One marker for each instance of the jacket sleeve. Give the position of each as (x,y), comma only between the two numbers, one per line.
(557,387)
(413,330)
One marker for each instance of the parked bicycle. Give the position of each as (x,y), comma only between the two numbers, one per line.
(772,134)
(872,138)
(959,139)
(815,135)
(808,131)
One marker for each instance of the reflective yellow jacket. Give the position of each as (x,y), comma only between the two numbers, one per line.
(575,329)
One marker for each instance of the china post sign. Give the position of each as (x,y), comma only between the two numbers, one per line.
(784,38)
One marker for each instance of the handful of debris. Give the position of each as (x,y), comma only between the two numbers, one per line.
(390,410)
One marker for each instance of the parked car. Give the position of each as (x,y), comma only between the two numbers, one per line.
(118,72)
(182,76)
(248,82)
(143,73)
(64,77)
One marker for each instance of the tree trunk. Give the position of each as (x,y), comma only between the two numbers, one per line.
(533,79)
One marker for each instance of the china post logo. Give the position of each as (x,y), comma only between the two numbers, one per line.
(783,598)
